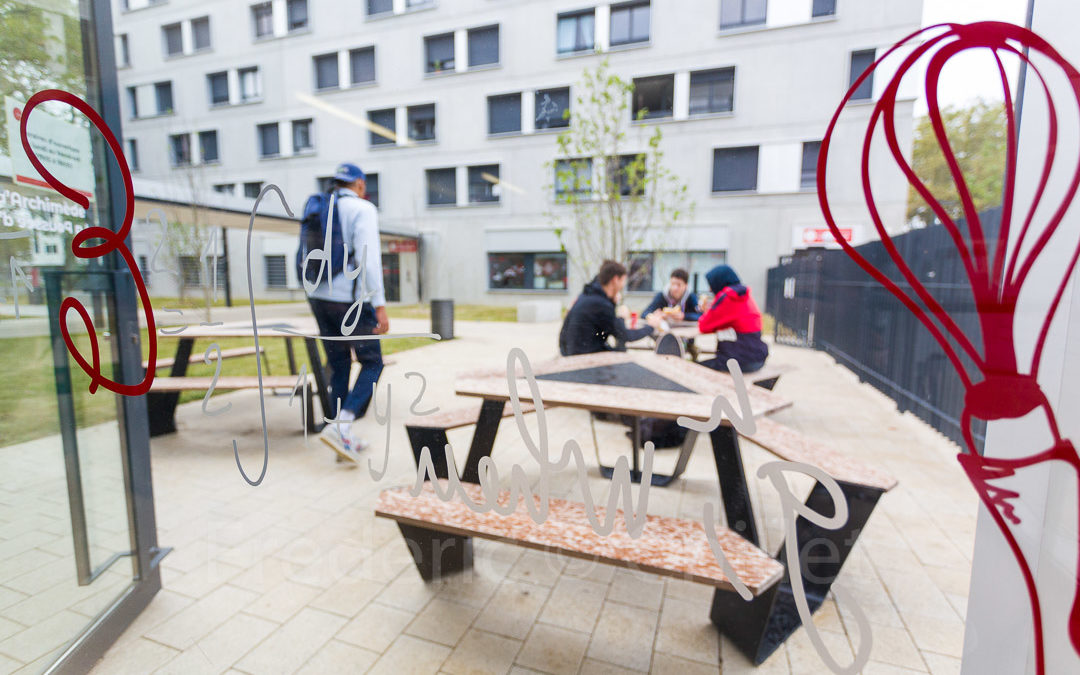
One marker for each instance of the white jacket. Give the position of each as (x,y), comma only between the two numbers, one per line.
(359,228)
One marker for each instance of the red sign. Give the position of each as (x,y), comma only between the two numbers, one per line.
(409,245)
(822,236)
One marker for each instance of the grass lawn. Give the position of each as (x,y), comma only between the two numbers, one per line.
(28,405)
(461,312)
(197,301)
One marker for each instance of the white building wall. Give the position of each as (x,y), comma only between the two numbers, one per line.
(790,73)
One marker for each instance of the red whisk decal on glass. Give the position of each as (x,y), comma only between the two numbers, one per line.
(997,386)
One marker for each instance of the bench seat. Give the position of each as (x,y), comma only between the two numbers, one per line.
(233,353)
(225,382)
(667,546)
(456,418)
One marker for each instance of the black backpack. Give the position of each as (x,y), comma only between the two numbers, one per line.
(313,237)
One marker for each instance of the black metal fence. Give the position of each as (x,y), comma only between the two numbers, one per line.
(820,298)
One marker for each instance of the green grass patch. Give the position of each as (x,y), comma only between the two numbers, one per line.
(461,312)
(196,301)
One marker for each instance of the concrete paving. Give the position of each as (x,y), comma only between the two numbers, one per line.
(296,575)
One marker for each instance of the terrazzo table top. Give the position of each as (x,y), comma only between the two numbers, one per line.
(667,546)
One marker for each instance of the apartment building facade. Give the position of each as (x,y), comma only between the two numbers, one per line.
(452,108)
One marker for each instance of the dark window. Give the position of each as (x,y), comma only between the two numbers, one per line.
(252,190)
(263,16)
(808,177)
(483,46)
(504,114)
(144,269)
(734,13)
(362,65)
(441,186)
(439,51)
(629,23)
(712,91)
(200,33)
(573,177)
(190,271)
(174,43)
(275,271)
(860,62)
(225,188)
(125,52)
(208,147)
(735,169)
(379,6)
(824,8)
(219,88)
(326,71)
(133,102)
(553,108)
(180,149)
(383,126)
(626,175)
(422,122)
(250,87)
(269,143)
(324,183)
(371,183)
(301,136)
(576,32)
(297,13)
(654,97)
(640,276)
(163,96)
(133,154)
(482,182)
(527,271)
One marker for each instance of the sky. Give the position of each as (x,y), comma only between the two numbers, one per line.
(965,81)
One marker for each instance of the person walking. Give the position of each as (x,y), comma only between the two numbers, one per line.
(349,299)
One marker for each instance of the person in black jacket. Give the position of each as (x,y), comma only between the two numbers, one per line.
(592,317)
(682,303)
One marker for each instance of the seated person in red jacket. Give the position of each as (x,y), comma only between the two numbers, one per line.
(732,307)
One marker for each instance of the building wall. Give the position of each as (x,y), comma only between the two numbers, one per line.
(790,74)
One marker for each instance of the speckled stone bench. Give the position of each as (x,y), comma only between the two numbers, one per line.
(439,536)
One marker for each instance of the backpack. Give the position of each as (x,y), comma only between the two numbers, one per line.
(313,237)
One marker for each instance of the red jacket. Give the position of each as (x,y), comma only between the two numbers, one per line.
(732,308)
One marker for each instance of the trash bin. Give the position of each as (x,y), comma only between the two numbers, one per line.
(442,318)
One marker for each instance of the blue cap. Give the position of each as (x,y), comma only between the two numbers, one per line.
(347,173)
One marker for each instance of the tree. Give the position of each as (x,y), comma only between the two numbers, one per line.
(977,135)
(619,196)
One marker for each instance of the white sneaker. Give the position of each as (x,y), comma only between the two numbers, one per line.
(347,446)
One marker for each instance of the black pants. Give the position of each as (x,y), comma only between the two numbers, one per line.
(329,315)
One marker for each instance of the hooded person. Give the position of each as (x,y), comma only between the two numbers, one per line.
(733,307)
(592,318)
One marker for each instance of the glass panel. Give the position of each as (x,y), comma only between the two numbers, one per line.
(371,182)
(219,88)
(483,46)
(483,183)
(630,23)
(712,91)
(735,169)
(379,6)
(422,122)
(383,126)
(302,140)
(298,14)
(250,87)
(440,53)
(208,146)
(200,33)
(504,114)
(576,32)
(263,15)
(808,175)
(269,144)
(860,61)
(442,186)
(654,97)
(163,95)
(173,43)
(552,108)
(326,71)
(362,65)
(824,7)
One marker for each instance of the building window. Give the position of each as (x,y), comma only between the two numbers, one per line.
(379,7)
(362,65)
(553,108)
(123,55)
(737,13)
(422,122)
(219,88)
(504,114)
(250,84)
(174,43)
(527,271)
(326,71)
(225,188)
(482,184)
(133,154)
(573,178)
(269,143)
(275,271)
(371,184)
(200,33)
(627,174)
(629,23)
(296,10)
(860,63)
(824,8)
(417,4)
(640,273)
(324,183)
(735,169)
(263,16)
(252,190)
(190,271)
(301,136)
(483,46)
(144,269)
(180,149)
(163,97)
(654,97)
(133,102)
(383,126)
(441,187)
(712,91)
(808,176)
(576,32)
(439,51)
(208,147)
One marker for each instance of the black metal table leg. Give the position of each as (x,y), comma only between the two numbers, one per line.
(290,356)
(657,479)
(316,367)
(487,425)
(734,489)
(437,553)
(161,406)
(433,439)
